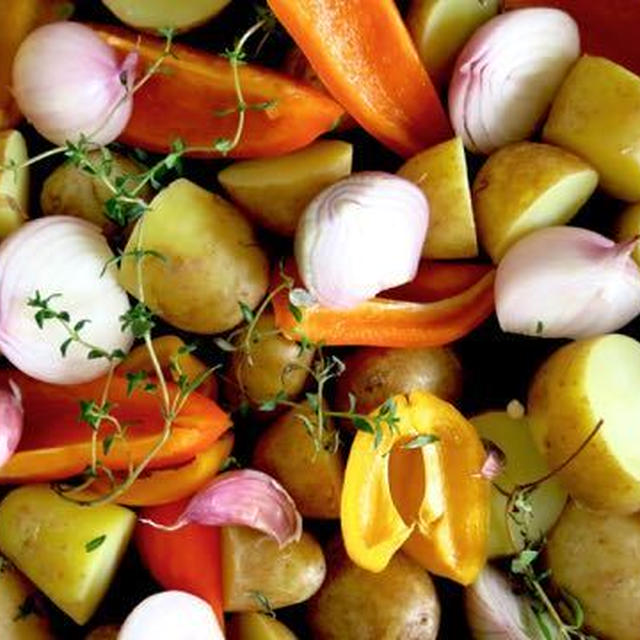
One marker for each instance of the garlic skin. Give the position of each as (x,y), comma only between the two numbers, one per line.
(361,236)
(567,282)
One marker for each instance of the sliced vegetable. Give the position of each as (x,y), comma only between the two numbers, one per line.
(171,614)
(187,559)
(360,236)
(507,74)
(54,284)
(391,323)
(56,444)
(14,183)
(391,96)
(420,489)
(161,114)
(567,282)
(71,86)
(69,552)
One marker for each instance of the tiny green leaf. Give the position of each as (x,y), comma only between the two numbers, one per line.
(94,544)
(420,441)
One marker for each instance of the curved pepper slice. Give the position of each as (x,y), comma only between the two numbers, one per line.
(364,55)
(381,322)
(431,500)
(56,444)
(188,101)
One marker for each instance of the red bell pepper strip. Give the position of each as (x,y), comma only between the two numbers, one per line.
(56,444)
(189,98)
(364,55)
(188,559)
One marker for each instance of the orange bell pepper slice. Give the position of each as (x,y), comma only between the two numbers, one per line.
(182,103)
(364,55)
(168,485)
(431,500)
(56,444)
(188,559)
(168,349)
(381,322)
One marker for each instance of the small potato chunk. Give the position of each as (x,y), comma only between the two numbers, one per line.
(596,114)
(523,464)
(628,228)
(595,558)
(70,552)
(275,191)
(441,173)
(152,15)
(15,590)
(14,183)
(355,604)
(256,626)
(254,566)
(524,187)
(440,28)
(211,260)
(70,191)
(274,364)
(312,476)
(375,374)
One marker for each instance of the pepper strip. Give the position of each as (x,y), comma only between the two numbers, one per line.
(430,501)
(364,55)
(390,323)
(190,96)
(56,444)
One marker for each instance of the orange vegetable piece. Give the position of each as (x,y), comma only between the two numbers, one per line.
(364,55)
(55,444)
(431,500)
(183,101)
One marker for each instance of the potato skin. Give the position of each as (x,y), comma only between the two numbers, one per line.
(375,374)
(595,557)
(400,603)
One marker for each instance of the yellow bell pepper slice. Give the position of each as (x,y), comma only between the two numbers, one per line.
(431,501)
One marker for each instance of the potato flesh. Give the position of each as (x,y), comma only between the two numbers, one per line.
(253,565)
(523,465)
(596,115)
(441,173)
(153,15)
(14,184)
(275,191)
(45,535)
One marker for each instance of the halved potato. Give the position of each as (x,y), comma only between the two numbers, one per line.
(14,183)
(275,191)
(628,227)
(582,384)
(152,15)
(441,173)
(524,187)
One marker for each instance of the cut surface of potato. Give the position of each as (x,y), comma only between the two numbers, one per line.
(583,384)
(14,183)
(441,173)
(595,558)
(70,552)
(440,29)
(211,261)
(275,191)
(523,464)
(256,626)
(628,228)
(253,566)
(152,15)
(527,186)
(596,114)
(355,604)
(312,476)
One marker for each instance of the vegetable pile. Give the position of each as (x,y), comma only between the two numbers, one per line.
(319,320)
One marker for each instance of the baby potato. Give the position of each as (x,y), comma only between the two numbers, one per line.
(374,374)
(254,567)
(273,364)
(70,191)
(594,557)
(256,626)
(355,604)
(211,261)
